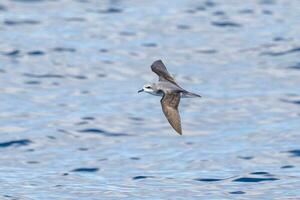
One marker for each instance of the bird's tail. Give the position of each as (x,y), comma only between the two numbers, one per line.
(187,94)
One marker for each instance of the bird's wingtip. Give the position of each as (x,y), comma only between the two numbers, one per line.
(179,131)
(157,62)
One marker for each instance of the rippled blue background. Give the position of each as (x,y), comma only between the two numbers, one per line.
(73,126)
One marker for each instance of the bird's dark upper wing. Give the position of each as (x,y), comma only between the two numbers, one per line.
(160,69)
(169,103)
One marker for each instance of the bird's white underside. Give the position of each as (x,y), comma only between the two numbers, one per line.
(182,95)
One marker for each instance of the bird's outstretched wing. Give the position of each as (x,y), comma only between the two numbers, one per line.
(169,103)
(160,69)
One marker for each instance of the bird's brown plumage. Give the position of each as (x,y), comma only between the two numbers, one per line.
(169,103)
(160,69)
(171,94)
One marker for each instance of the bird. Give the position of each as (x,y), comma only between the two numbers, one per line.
(171,93)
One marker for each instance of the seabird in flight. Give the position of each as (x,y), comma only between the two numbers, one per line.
(171,93)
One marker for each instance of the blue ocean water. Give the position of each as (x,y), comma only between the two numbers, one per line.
(72,125)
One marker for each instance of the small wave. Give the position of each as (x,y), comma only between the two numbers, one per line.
(111,11)
(102,132)
(253,179)
(281,53)
(225,24)
(287,167)
(86,169)
(261,173)
(296,152)
(43,75)
(64,49)
(295,66)
(36,53)
(20,22)
(23,142)
(141,177)
(237,192)
(208,179)
(12,53)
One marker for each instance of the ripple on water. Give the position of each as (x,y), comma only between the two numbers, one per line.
(28,1)
(267,2)
(295,66)
(287,167)
(81,123)
(282,53)
(36,53)
(83,149)
(183,26)
(20,22)
(253,179)
(86,169)
(103,50)
(64,49)
(51,137)
(33,162)
(225,24)
(75,19)
(246,11)
(88,118)
(297,102)
(237,192)
(137,119)
(102,132)
(149,44)
(267,12)
(33,82)
(12,53)
(206,51)
(135,158)
(141,177)
(43,75)
(219,13)
(278,39)
(208,179)
(80,77)
(2,8)
(246,157)
(23,142)
(111,11)
(127,33)
(261,173)
(10,197)
(295,152)
(210,4)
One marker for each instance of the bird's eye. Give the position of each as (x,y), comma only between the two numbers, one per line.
(148,87)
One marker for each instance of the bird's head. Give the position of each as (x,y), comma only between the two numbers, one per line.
(149,88)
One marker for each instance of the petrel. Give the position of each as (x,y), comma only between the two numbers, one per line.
(171,93)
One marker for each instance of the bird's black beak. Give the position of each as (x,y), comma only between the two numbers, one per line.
(142,90)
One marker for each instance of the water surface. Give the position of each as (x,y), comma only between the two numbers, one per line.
(73,126)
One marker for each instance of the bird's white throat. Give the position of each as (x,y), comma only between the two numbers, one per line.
(154,93)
